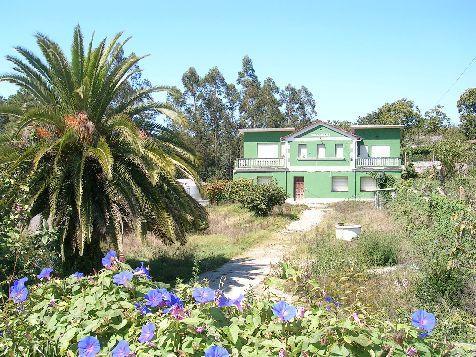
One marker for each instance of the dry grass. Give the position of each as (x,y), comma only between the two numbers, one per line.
(232,231)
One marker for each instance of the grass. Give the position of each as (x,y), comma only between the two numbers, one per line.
(232,231)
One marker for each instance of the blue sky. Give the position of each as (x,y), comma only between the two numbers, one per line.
(353,55)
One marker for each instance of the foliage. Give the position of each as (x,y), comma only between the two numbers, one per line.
(61,312)
(409,171)
(467,111)
(377,250)
(442,230)
(258,198)
(434,120)
(88,167)
(453,151)
(401,112)
(215,109)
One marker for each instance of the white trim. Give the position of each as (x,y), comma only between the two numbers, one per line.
(376,126)
(259,130)
(326,200)
(322,138)
(320,168)
(314,125)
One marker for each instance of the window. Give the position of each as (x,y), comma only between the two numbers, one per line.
(380,151)
(340,151)
(321,151)
(302,151)
(340,184)
(367,184)
(263,180)
(268,150)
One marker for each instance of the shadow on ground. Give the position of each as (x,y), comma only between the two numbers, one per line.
(169,269)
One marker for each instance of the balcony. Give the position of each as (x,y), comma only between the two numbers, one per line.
(259,164)
(378,162)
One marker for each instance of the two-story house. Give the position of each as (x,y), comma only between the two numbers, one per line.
(320,162)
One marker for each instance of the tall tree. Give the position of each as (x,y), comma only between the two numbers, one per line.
(250,92)
(269,105)
(402,112)
(89,167)
(467,112)
(434,120)
(299,106)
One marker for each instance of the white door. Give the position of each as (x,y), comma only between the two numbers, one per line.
(321,151)
(268,150)
(381,151)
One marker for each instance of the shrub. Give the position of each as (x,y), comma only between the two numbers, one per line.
(237,190)
(59,313)
(216,191)
(261,199)
(377,249)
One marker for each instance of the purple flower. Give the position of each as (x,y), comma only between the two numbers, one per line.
(329,299)
(45,274)
(122,278)
(142,270)
(282,353)
(121,350)
(284,311)
(423,320)
(216,351)
(224,301)
(147,333)
(177,312)
(18,292)
(203,295)
(88,346)
(109,259)
(411,351)
(142,308)
(200,329)
(157,297)
(77,275)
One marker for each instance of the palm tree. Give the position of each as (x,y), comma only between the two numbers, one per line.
(88,166)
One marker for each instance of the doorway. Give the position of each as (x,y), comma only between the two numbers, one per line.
(298,188)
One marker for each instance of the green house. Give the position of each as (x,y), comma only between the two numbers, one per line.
(321,163)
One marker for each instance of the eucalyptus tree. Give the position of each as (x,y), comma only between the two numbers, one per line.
(86,163)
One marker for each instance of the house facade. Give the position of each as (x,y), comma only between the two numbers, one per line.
(320,162)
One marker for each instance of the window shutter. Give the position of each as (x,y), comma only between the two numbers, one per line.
(367,184)
(267,151)
(340,184)
(340,151)
(321,151)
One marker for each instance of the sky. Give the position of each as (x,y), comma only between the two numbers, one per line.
(354,56)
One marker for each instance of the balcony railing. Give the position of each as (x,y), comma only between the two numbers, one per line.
(378,162)
(259,163)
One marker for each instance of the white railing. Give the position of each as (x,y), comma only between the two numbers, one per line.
(378,162)
(259,163)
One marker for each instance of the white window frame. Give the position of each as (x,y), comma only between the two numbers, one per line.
(341,187)
(264,180)
(341,149)
(268,147)
(367,185)
(301,154)
(379,148)
(321,151)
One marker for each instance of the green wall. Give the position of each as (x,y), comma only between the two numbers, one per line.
(251,140)
(312,160)
(381,136)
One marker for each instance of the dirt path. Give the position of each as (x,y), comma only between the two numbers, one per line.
(249,270)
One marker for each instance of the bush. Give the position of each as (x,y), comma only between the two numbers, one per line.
(260,199)
(58,313)
(377,249)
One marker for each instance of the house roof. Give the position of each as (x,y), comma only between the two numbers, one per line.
(259,130)
(376,126)
(316,123)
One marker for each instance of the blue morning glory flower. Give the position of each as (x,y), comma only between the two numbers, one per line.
(142,270)
(224,301)
(203,295)
(88,346)
(18,292)
(109,259)
(284,311)
(424,320)
(142,308)
(147,332)
(122,278)
(329,299)
(216,351)
(77,275)
(121,350)
(45,274)
(157,297)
